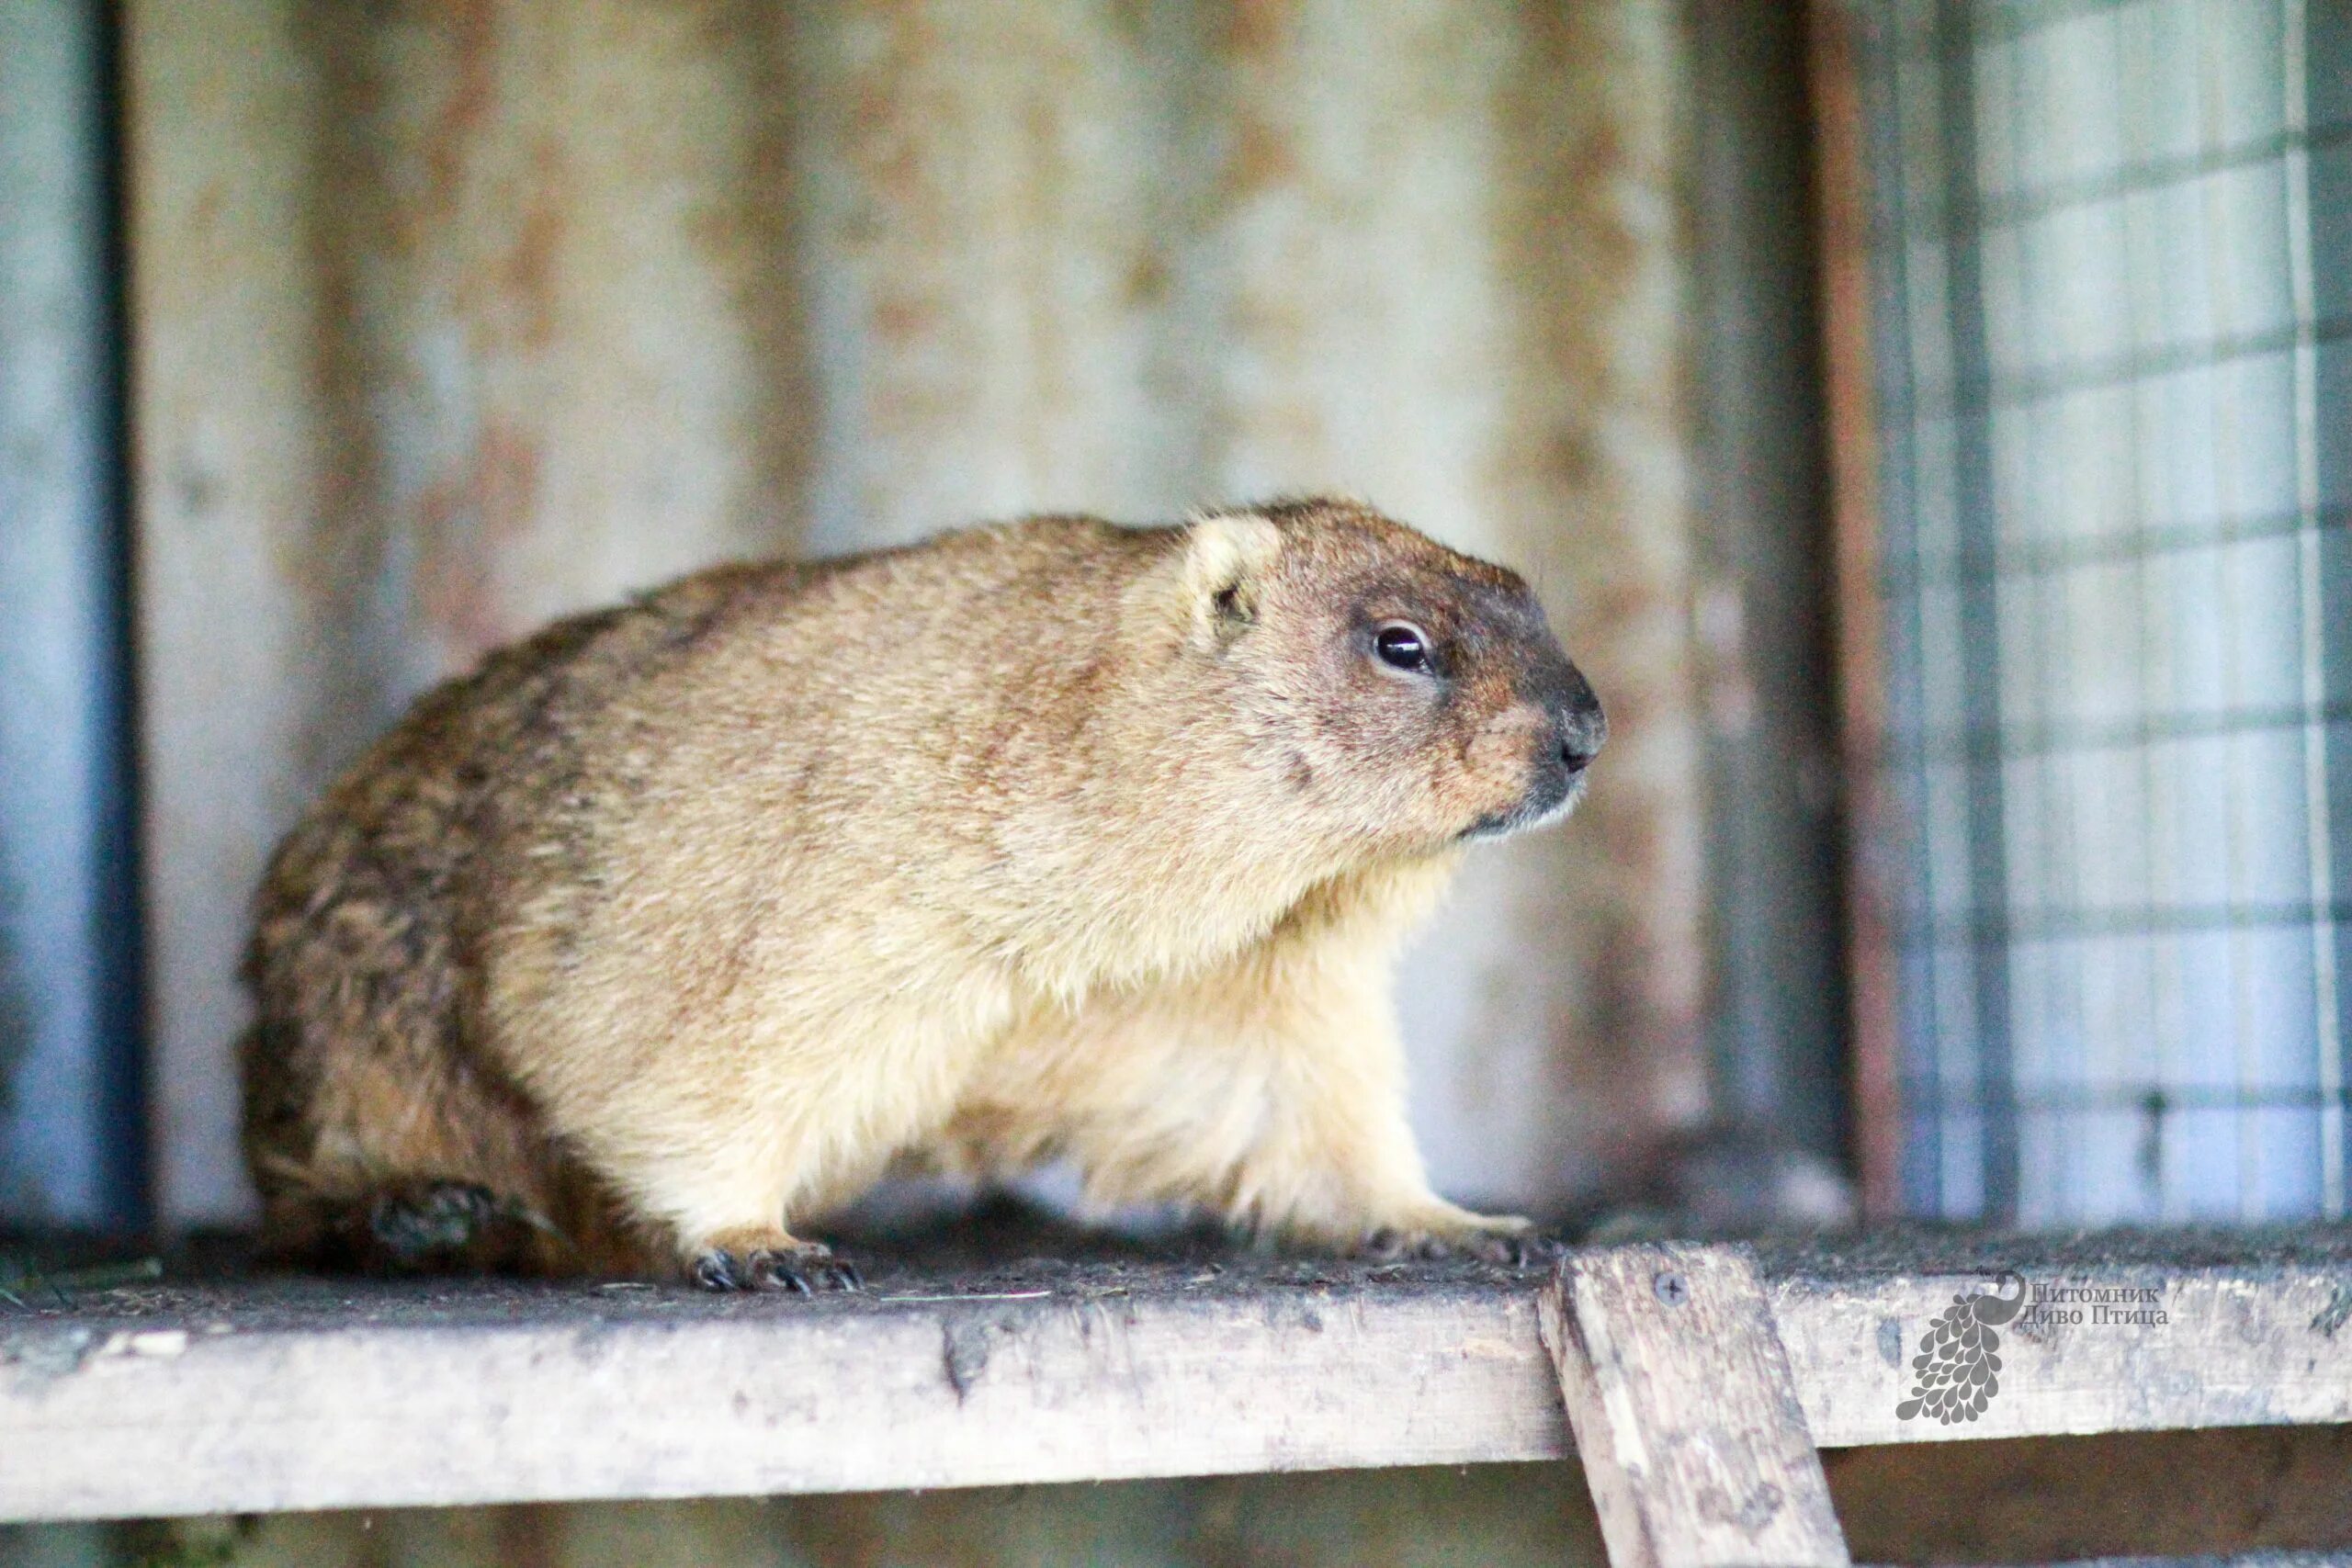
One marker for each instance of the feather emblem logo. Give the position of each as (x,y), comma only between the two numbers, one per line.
(1958,1368)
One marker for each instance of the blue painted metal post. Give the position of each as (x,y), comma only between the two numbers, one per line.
(72,1146)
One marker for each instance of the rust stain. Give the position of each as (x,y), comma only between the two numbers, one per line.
(882,141)
(898,314)
(461,519)
(1261,157)
(471,28)
(1148,279)
(1257,29)
(1601,156)
(1628,600)
(527,271)
(1596,403)
(1571,458)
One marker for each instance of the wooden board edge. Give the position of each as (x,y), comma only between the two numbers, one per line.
(165,1421)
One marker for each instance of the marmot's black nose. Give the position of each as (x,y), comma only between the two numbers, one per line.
(1583,727)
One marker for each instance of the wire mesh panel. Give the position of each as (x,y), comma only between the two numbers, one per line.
(2112,245)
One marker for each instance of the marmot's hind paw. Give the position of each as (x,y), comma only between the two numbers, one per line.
(803,1269)
(416,1221)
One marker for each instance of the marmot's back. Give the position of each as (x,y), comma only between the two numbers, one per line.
(359,1063)
(366,1069)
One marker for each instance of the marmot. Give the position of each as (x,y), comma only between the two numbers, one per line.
(679,923)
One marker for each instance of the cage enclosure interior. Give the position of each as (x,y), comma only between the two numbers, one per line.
(1924,422)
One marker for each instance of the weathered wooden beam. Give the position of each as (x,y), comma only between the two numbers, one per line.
(256,1400)
(2120,1348)
(1686,1415)
(261,1394)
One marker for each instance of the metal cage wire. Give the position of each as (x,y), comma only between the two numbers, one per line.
(2112,254)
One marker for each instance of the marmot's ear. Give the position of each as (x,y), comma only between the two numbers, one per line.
(1225,557)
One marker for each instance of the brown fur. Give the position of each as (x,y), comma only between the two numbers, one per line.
(689,917)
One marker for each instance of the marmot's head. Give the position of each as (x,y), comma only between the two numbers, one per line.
(1395,695)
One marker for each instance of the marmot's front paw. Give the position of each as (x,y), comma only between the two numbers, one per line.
(1498,1239)
(802,1267)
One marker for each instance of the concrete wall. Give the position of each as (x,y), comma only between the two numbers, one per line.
(451,317)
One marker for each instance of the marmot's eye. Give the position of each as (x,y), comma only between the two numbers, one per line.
(1402,645)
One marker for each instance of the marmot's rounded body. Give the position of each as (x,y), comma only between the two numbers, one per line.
(683,921)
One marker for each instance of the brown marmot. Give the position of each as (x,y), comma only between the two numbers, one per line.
(681,923)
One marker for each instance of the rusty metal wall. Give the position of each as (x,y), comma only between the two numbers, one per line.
(450,317)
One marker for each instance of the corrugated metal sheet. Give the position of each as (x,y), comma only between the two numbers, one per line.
(452,317)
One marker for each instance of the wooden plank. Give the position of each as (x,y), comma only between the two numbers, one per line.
(2144,1495)
(174,1398)
(2154,1348)
(506,1393)
(1685,1415)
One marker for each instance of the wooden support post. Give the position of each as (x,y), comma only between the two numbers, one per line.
(1685,1415)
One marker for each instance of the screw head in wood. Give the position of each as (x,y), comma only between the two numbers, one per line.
(1671,1287)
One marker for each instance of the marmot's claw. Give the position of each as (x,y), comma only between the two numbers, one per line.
(813,1267)
(1508,1251)
(1523,1250)
(716,1270)
(802,1270)
(1485,1247)
(1538,1251)
(781,1272)
(1389,1244)
(1518,1249)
